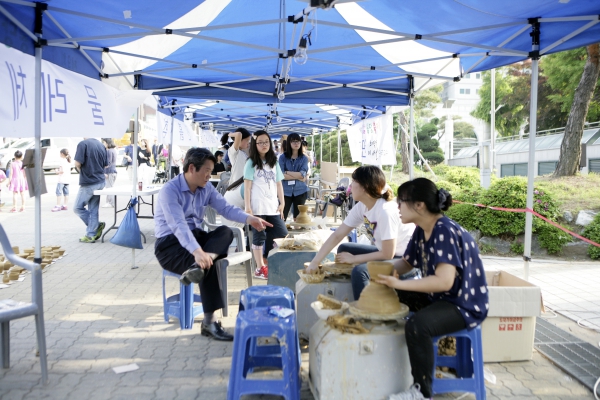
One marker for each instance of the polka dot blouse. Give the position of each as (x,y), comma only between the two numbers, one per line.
(451,243)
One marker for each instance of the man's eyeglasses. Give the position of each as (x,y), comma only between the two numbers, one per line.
(262,143)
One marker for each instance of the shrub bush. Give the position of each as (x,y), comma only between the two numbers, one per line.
(511,192)
(552,239)
(517,246)
(465,215)
(592,232)
(449,186)
(463,177)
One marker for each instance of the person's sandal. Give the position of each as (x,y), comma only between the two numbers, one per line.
(22,209)
(13,210)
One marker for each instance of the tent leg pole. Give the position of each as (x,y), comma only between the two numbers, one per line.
(134,165)
(531,163)
(411,151)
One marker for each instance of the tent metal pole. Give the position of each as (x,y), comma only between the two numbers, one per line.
(493,124)
(411,150)
(569,36)
(535,28)
(321,149)
(134,165)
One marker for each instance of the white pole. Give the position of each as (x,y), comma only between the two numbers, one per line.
(134,165)
(411,156)
(37,157)
(321,156)
(339,146)
(493,123)
(531,163)
(396,145)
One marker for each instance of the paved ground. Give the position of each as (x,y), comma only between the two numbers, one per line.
(100,314)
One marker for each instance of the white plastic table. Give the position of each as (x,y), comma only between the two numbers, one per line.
(128,191)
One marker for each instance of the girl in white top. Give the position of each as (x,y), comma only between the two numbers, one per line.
(64,178)
(379,215)
(238,154)
(263,195)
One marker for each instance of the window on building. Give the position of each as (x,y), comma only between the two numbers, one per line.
(468,76)
(547,167)
(594,165)
(477,76)
(467,91)
(513,170)
(462,91)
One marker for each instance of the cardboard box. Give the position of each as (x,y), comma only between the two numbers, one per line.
(509,329)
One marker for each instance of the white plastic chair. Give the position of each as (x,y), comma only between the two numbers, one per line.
(10,309)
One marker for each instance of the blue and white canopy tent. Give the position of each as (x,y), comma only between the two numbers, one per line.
(375,52)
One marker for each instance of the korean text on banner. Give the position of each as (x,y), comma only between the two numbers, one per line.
(72,104)
(183,135)
(372,141)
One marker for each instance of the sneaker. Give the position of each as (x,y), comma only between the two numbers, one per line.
(63,208)
(414,393)
(101,226)
(87,239)
(262,273)
(56,208)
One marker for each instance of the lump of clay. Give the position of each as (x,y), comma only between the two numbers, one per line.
(377,298)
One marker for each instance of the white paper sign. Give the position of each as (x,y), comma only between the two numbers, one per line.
(183,135)
(209,138)
(73,105)
(372,141)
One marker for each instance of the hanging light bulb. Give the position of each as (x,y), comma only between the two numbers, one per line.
(281,94)
(301,57)
(278,117)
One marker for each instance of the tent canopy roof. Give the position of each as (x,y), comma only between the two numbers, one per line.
(359,52)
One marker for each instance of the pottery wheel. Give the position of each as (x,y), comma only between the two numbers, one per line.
(305,225)
(357,312)
(338,268)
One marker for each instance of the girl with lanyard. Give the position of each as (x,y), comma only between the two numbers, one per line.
(452,295)
(294,165)
(263,195)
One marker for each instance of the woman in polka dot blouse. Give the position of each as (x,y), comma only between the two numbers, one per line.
(452,295)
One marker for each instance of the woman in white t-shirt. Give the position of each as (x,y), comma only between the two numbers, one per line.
(238,154)
(379,215)
(263,196)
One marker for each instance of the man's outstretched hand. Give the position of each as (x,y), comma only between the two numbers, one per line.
(258,223)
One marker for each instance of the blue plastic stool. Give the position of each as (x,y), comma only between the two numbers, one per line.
(255,323)
(468,363)
(266,296)
(181,306)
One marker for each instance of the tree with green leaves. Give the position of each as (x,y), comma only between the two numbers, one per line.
(430,147)
(570,149)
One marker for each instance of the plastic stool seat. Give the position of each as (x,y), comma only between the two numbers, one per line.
(266,296)
(181,306)
(255,323)
(468,363)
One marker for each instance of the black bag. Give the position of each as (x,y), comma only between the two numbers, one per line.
(340,198)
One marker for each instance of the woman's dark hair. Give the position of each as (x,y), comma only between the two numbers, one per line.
(109,143)
(288,150)
(225,138)
(422,189)
(270,157)
(65,153)
(304,143)
(218,153)
(18,154)
(244,132)
(197,156)
(372,179)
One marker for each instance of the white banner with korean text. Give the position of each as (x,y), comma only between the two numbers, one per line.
(183,133)
(371,141)
(72,105)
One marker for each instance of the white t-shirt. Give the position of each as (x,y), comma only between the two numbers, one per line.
(237,158)
(65,177)
(263,199)
(382,222)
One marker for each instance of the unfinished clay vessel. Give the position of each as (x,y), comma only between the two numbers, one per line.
(378,298)
(5,278)
(303,217)
(16,249)
(13,274)
(61,252)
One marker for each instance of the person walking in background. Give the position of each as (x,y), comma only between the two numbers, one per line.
(238,154)
(263,197)
(110,172)
(143,162)
(91,159)
(17,183)
(294,165)
(155,150)
(129,157)
(64,178)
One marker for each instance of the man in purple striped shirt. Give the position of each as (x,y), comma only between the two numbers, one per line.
(183,247)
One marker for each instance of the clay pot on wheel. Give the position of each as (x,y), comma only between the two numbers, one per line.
(303,217)
(378,298)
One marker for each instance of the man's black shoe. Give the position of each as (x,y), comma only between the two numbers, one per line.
(192,275)
(216,331)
